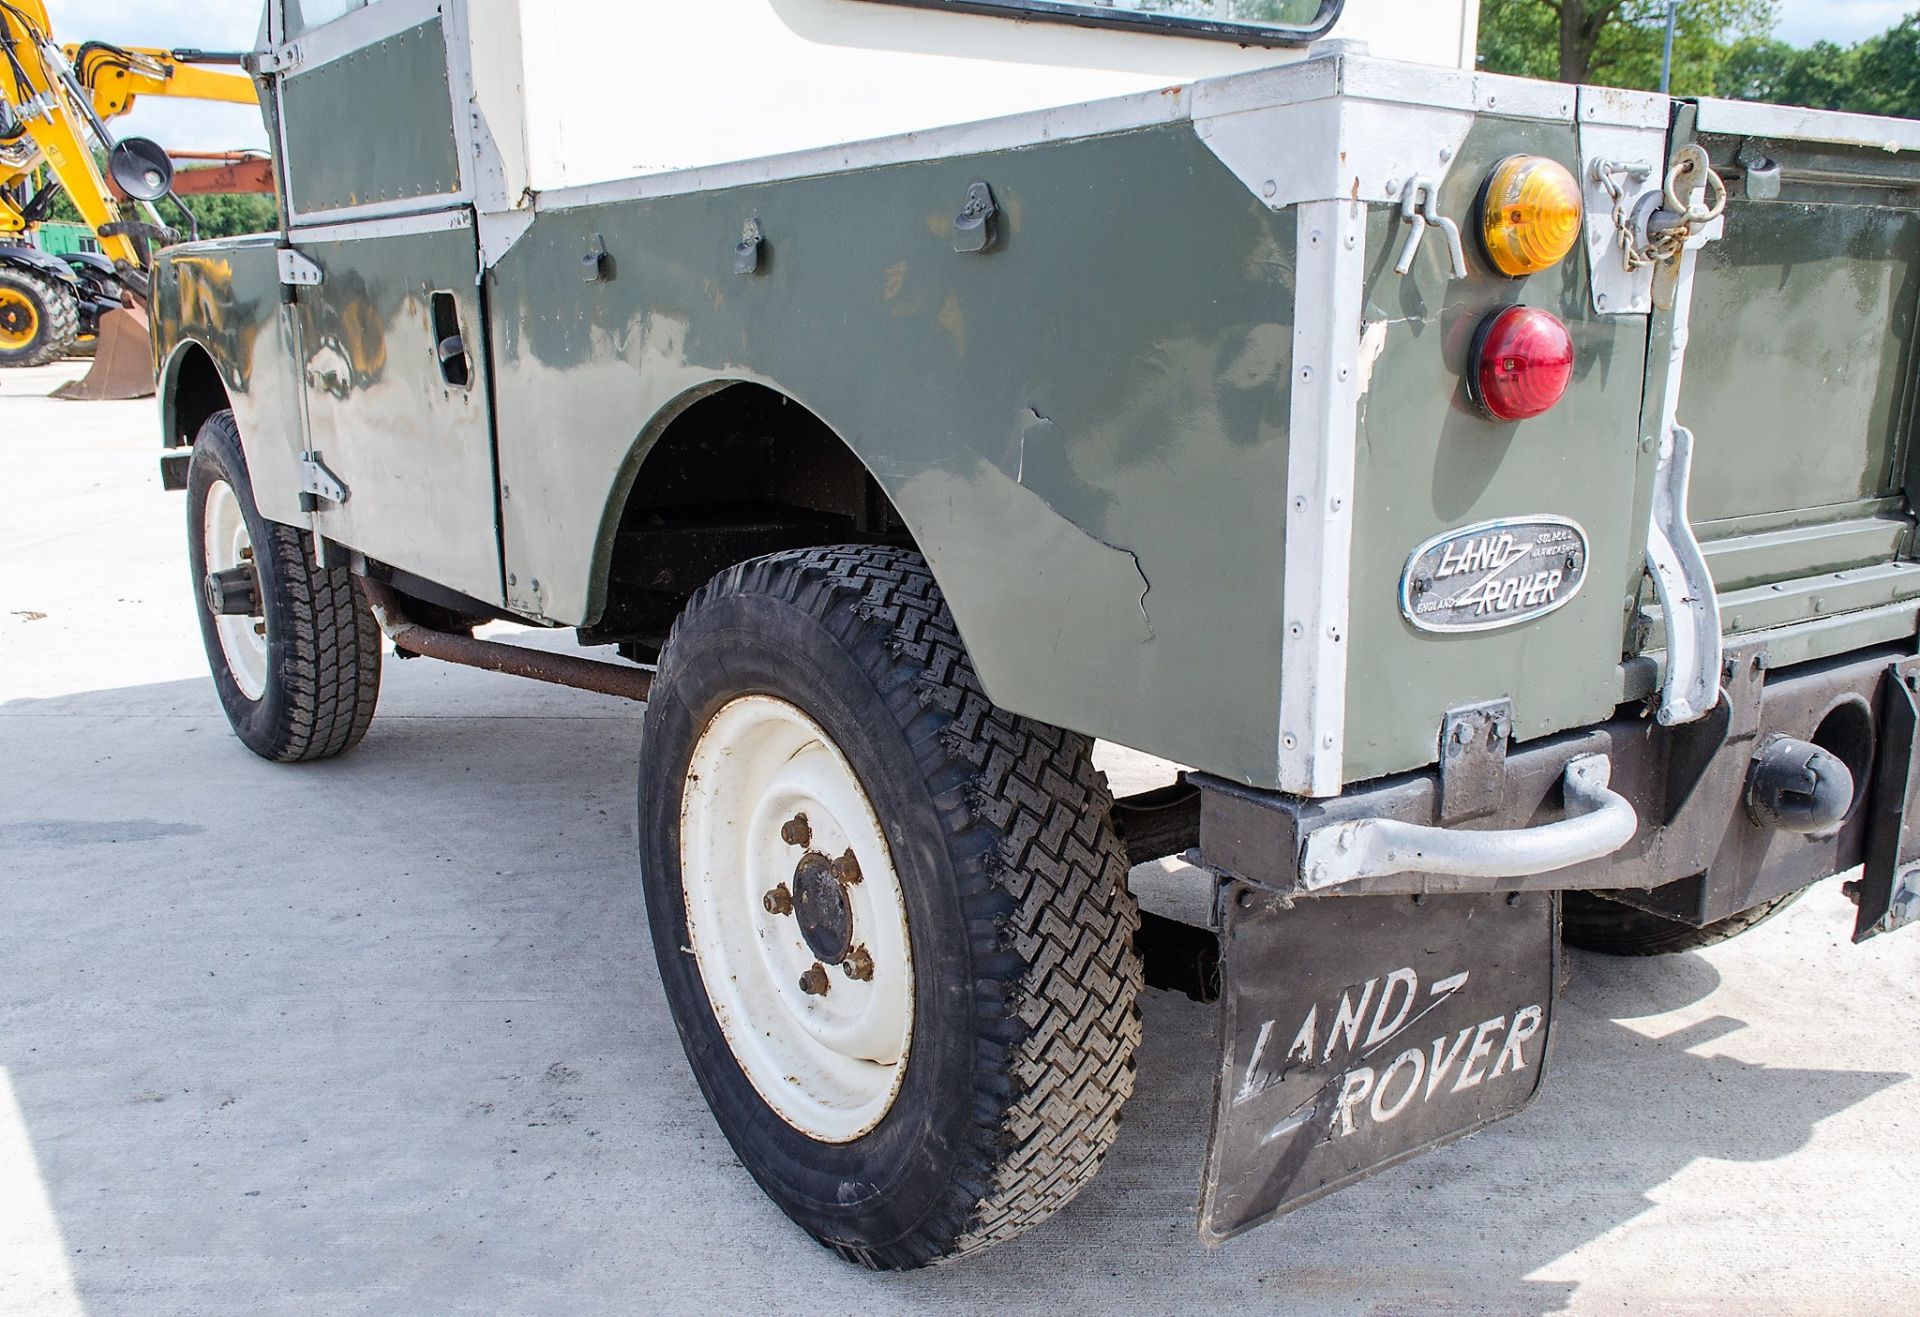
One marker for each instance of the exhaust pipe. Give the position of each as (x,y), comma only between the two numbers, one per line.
(390,611)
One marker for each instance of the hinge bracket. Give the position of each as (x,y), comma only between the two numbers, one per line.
(317,484)
(296,271)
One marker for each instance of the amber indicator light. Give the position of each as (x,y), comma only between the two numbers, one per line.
(1530,214)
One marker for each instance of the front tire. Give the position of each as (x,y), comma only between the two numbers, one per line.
(297,667)
(39,318)
(891,919)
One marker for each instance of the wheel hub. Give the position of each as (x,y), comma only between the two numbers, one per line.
(796,918)
(17,319)
(820,904)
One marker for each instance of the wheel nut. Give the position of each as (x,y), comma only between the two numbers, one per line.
(260,628)
(859,965)
(779,901)
(796,831)
(814,982)
(847,869)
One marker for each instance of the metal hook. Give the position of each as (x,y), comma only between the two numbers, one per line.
(1420,208)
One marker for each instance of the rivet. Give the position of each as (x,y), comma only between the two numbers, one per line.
(1327,742)
(1287,741)
(534,585)
(1600,300)
(1269,187)
(512,579)
(1313,239)
(1446,154)
(1333,633)
(1342,374)
(1306,374)
(1349,241)
(1296,629)
(1299,502)
(1336,503)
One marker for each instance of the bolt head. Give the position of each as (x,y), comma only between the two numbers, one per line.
(815,982)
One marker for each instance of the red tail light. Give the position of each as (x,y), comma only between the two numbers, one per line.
(1522,363)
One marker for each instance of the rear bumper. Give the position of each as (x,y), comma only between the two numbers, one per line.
(1696,855)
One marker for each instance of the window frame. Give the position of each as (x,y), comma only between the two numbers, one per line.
(1129,20)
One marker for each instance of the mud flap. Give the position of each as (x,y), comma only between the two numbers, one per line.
(122,360)
(1360,1031)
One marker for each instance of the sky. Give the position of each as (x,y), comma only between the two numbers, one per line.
(232,24)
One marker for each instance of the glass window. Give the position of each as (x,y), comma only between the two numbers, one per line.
(1256,22)
(305,15)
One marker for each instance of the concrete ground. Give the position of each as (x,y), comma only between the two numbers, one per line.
(384,1034)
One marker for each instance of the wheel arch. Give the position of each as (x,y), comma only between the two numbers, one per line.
(727,442)
(191,389)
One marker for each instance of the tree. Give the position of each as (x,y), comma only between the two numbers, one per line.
(1617,42)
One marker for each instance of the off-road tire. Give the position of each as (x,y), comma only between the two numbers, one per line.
(323,646)
(1019,920)
(58,314)
(1592,922)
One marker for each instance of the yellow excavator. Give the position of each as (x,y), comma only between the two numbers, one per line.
(55,104)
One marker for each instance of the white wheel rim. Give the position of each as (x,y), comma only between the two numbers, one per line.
(829,1064)
(243,640)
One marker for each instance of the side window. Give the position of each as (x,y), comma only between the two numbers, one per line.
(305,15)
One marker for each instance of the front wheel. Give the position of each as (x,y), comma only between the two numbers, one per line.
(294,650)
(891,919)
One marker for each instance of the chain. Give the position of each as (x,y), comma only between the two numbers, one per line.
(1680,215)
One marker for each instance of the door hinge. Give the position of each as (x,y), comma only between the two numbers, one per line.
(317,484)
(274,59)
(296,271)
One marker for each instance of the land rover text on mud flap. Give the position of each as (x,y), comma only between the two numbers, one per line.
(1498,494)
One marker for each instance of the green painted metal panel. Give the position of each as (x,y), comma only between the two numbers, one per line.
(223,297)
(1798,363)
(375,125)
(1429,462)
(1085,427)
(413,449)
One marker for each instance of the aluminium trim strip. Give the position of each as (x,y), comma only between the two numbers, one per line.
(1322,433)
(398,226)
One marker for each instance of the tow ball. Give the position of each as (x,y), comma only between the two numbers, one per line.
(1796,786)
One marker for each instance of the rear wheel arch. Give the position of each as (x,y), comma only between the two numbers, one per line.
(718,450)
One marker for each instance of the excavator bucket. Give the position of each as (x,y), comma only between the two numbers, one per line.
(122,360)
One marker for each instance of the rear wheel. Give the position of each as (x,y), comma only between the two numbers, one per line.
(295,653)
(1594,923)
(39,318)
(891,918)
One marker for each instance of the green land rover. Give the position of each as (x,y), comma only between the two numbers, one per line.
(1497,495)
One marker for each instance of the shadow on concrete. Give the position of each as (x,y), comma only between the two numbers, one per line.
(384,1034)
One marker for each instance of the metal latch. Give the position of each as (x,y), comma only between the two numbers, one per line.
(973,226)
(1420,208)
(317,484)
(296,271)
